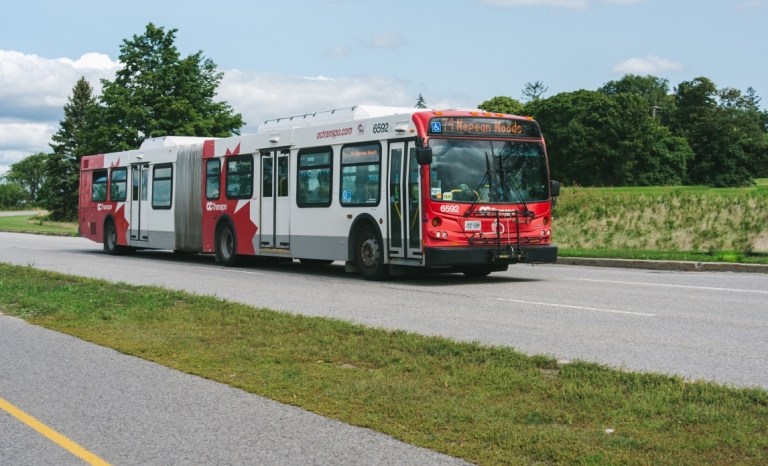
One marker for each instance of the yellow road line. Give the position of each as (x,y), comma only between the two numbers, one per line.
(52,435)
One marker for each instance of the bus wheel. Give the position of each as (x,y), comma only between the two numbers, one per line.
(226,249)
(315,262)
(477,272)
(368,255)
(110,240)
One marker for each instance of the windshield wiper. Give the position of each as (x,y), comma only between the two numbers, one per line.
(487,177)
(506,177)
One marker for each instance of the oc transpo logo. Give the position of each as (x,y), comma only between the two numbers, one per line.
(101,207)
(361,128)
(211,206)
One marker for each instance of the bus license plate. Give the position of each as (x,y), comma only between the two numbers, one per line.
(472,225)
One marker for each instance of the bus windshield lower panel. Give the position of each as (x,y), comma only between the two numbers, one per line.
(495,172)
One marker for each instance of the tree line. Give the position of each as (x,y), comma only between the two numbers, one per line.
(635,132)
(156,92)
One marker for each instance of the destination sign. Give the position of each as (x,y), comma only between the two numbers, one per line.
(495,127)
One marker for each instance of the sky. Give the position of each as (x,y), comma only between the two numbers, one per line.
(297,56)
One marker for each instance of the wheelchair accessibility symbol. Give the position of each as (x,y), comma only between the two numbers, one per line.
(437,127)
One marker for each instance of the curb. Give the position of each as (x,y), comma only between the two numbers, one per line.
(41,233)
(680,266)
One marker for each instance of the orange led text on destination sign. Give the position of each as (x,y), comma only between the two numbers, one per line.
(457,125)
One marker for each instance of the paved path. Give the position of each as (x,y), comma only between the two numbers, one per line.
(18,213)
(129,411)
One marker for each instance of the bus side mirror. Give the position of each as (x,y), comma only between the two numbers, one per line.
(554,188)
(424,155)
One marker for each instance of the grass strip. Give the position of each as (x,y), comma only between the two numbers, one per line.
(36,223)
(694,256)
(488,405)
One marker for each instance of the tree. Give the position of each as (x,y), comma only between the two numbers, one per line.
(70,143)
(724,130)
(421,103)
(502,104)
(651,88)
(597,140)
(654,90)
(534,91)
(11,195)
(29,173)
(157,93)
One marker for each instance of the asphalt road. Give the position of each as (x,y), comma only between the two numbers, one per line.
(699,325)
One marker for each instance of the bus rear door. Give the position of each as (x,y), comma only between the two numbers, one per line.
(275,202)
(139,203)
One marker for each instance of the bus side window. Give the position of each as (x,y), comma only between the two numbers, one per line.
(162,186)
(212,179)
(360,180)
(240,177)
(313,187)
(118,189)
(99,186)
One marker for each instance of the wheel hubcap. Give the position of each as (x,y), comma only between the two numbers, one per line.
(369,252)
(112,237)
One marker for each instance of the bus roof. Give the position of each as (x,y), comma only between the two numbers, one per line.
(358,112)
(171,141)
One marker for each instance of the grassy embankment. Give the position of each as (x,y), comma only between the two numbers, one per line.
(36,223)
(672,223)
(489,405)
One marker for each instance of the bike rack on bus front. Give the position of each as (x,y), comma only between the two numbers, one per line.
(510,251)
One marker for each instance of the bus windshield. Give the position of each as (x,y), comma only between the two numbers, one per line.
(496,172)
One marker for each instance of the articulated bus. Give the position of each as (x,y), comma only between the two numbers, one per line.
(386,190)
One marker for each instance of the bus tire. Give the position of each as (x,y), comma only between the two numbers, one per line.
(315,262)
(369,255)
(110,240)
(226,246)
(476,272)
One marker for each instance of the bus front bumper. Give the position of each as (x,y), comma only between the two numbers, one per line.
(545,254)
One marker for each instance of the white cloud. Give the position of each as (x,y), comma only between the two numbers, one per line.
(387,40)
(650,65)
(25,136)
(337,52)
(33,91)
(569,4)
(19,139)
(36,88)
(92,61)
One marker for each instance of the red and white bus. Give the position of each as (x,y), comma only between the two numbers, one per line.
(384,189)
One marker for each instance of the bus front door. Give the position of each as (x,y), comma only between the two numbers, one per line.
(139,203)
(404,208)
(275,202)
